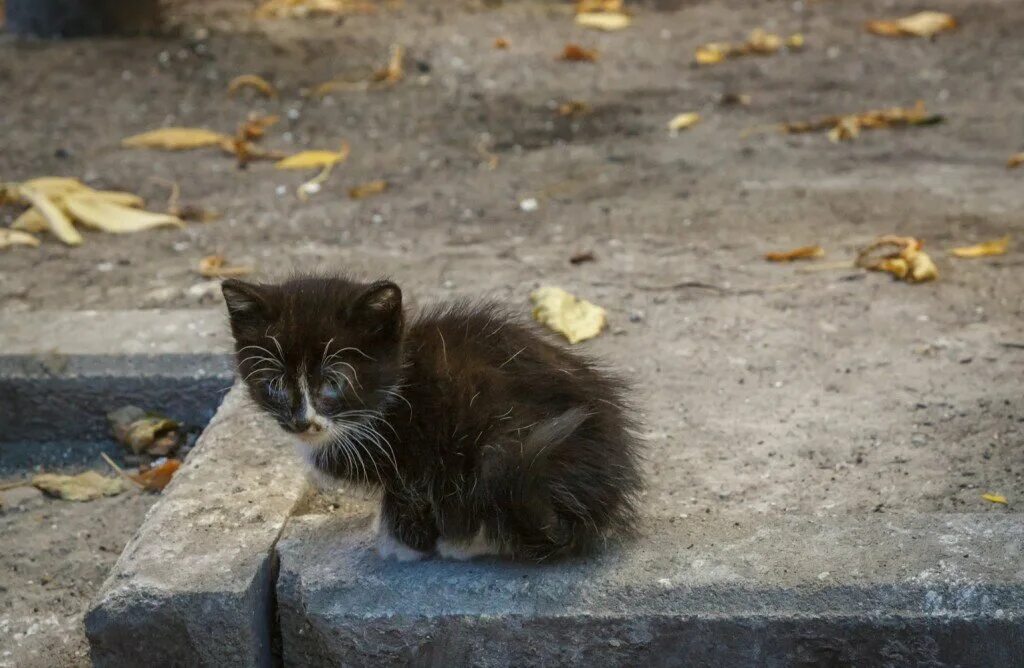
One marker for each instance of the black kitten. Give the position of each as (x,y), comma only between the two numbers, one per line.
(483,436)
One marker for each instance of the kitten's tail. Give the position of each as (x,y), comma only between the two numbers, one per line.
(543,517)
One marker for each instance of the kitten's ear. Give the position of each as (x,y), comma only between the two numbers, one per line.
(246,302)
(380,306)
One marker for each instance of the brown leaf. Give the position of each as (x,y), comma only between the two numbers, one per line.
(393,72)
(802,253)
(573,108)
(994,247)
(908,262)
(576,53)
(501,43)
(759,42)
(1016,160)
(368,189)
(215,266)
(86,486)
(581,257)
(251,81)
(922,24)
(849,126)
(158,477)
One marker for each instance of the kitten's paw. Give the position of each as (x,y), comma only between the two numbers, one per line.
(464,551)
(389,547)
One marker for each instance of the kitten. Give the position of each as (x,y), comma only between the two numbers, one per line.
(483,437)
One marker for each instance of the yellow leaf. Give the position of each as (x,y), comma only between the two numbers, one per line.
(584,6)
(82,487)
(117,197)
(314,159)
(10,238)
(55,187)
(215,266)
(1016,160)
(795,41)
(712,53)
(110,217)
(576,319)
(251,81)
(603,20)
(922,24)
(176,139)
(394,71)
(683,122)
(30,221)
(802,253)
(994,498)
(368,189)
(57,222)
(908,262)
(994,247)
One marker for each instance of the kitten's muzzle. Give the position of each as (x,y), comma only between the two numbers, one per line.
(303,427)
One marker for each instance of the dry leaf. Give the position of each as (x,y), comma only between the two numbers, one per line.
(176,139)
(280,9)
(1016,160)
(994,498)
(908,262)
(683,122)
(368,189)
(314,159)
(394,71)
(576,53)
(802,253)
(922,24)
(994,247)
(759,42)
(9,238)
(56,220)
(576,319)
(157,478)
(215,266)
(849,126)
(501,43)
(581,257)
(251,81)
(573,108)
(584,6)
(106,216)
(604,20)
(82,487)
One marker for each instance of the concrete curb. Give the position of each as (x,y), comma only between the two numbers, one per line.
(61,372)
(781,591)
(194,586)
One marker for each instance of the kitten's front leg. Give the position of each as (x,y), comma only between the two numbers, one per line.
(405,529)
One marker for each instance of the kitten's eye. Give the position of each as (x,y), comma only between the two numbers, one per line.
(330,391)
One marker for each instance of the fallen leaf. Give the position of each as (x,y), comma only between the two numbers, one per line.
(576,319)
(922,24)
(735,99)
(759,42)
(281,9)
(56,220)
(994,498)
(607,21)
(255,127)
(573,108)
(908,262)
(994,247)
(251,81)
(683,122)
(176,139)
(145,435)
(848,126)
(584,256)
(1016,160)
(107,216)
(393,72)
(82,487)
(584,6)
(314,159)
(501,43)
(158,477)
(576,53)
(368,189)
(216,266)
(802,253)
(9,238)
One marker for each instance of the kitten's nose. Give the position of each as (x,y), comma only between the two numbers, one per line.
(302,425)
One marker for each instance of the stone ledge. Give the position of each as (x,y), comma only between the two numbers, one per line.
(194,586)
(860,590)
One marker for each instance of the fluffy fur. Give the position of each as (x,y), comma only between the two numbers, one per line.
(481,434)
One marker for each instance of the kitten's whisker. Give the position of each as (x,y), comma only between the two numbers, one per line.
(280,351)
(353,348)
(512,358)
(327,347)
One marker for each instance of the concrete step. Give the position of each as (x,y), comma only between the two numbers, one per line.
(236,566)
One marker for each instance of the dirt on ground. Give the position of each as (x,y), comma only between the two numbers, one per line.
(764,387)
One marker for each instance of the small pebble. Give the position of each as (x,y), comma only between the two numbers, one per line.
(529,204)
